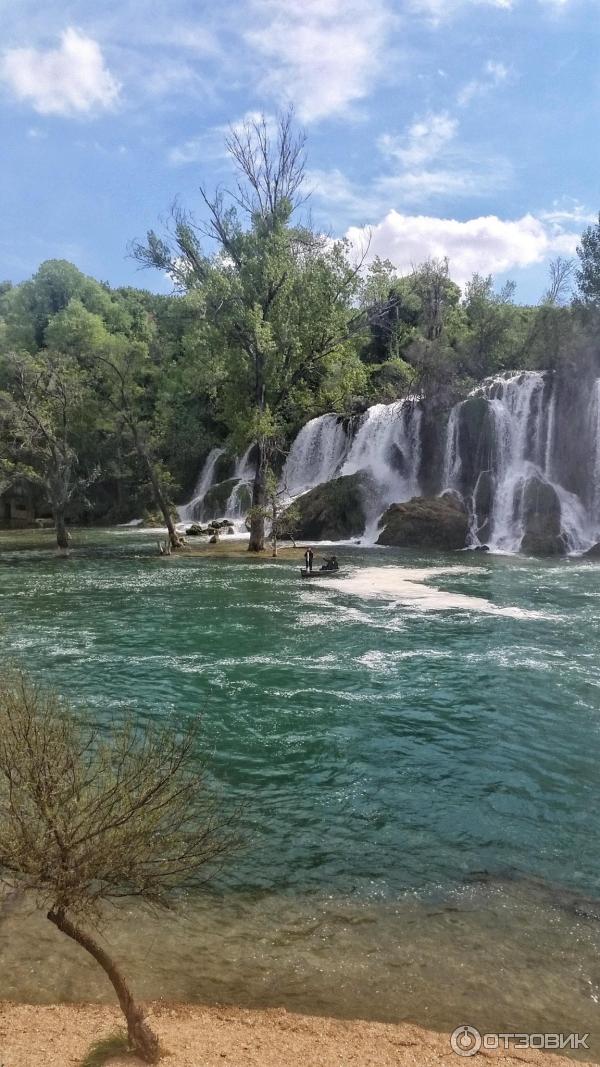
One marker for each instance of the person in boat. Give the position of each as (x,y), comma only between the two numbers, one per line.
(308,559)
(330,564)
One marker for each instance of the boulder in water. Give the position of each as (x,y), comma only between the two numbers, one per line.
(541,519)
(593,552)
(332,511)
(426,522)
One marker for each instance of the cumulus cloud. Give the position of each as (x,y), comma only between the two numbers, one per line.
(487,245)
(322,54)
(69,80)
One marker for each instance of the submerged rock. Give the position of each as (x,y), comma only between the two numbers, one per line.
(541,519)
(332,511)
(426,522)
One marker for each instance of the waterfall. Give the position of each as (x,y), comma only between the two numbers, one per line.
(452,459)
(549,449)
(523,450)
(387,447)
(315,456)
(516,412)
(517,431)
(244,472)
(205,480)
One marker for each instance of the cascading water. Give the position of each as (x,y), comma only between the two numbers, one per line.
(316,455)
(205,480)
(244,473)
(501,458)
(523,451)
(387,448)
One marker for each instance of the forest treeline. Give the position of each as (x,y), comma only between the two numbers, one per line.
(110,398)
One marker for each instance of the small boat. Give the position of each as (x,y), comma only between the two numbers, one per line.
(319,573)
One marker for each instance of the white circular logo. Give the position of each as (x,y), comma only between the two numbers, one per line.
(465,1041)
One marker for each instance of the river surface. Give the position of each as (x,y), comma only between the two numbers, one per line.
(416,744)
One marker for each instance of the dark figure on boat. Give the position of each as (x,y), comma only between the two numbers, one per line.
(330,564)
(308,559)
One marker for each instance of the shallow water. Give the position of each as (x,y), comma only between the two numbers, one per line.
(417,752)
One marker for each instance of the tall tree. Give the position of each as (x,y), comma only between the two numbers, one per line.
(278,297)
(43,407)
(122,372)
(489,317)
(588,273)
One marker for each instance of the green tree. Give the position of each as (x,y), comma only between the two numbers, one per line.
(121,368)
(44,406)
(588,273)
(88,818)
(486,346)
(278,297)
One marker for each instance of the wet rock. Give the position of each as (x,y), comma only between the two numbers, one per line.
(426,522)
(541,519)
(593,552)
(332,511)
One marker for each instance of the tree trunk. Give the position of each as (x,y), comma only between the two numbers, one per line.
(174,537)
(142,1039)
(159,497)
(62,537)
(259,495)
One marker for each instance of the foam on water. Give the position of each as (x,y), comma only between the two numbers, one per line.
(408,586)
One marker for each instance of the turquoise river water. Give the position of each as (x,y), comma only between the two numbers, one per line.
(417,747)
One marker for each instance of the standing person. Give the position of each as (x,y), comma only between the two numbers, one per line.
(308,559)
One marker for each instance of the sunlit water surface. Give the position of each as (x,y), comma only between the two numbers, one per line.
(416,744)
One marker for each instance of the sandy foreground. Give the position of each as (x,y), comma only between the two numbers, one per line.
(61,1035)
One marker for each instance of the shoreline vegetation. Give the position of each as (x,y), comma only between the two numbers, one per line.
(61,1035)
(112,399)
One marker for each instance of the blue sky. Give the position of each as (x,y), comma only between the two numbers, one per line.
(467,128)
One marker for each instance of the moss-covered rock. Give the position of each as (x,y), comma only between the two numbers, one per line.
(214,504)
(541,519)
(426,522)
(224,468)
(332,511)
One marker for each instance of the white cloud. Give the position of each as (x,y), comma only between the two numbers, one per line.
(424,140)
(425,163)
(569,212)
(322,54)
(494,74)
(488,245)
(437,10)
(69,80)
(210,145)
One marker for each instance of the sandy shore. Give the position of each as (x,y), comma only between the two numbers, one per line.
(61,1035)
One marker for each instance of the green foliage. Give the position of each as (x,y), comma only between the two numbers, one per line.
(588,274)
(106,1049)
